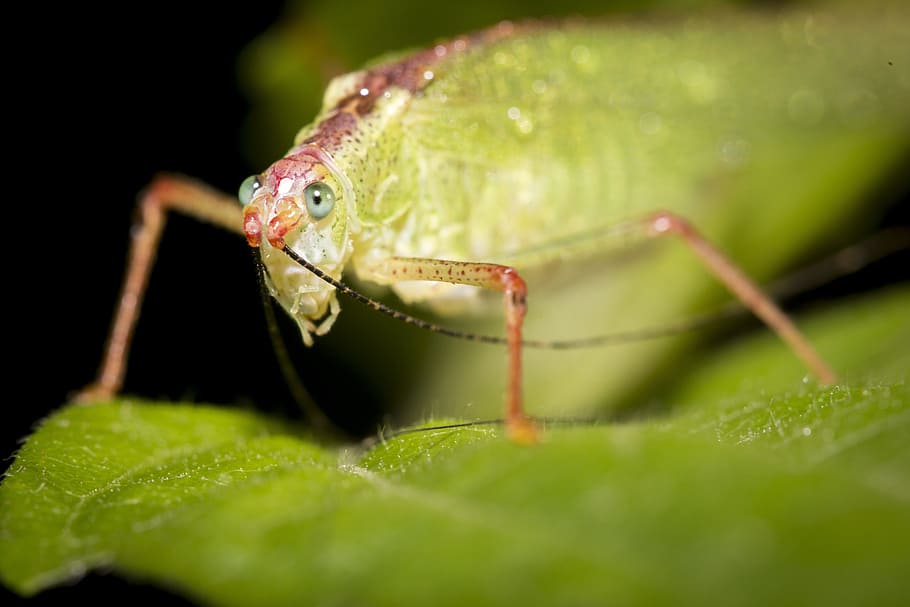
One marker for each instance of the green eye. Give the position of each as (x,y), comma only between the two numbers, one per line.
(248,188)
(319,199)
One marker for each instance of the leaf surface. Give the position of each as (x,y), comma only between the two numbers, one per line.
(752,495)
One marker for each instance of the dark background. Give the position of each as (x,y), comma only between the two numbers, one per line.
(100,103)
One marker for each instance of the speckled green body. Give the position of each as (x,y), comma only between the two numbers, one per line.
(525,146)
(543,135)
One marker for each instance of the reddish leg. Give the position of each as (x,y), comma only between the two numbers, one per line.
(506,279)
(751,296)
(489,276)
(166,192)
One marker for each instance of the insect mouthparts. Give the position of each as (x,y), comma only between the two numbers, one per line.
(286,215)
(252,225)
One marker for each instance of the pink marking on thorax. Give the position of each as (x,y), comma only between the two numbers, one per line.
(408,74)
(333,130)
(275,210)
(296,167)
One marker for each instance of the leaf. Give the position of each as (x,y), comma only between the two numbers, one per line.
(727,499)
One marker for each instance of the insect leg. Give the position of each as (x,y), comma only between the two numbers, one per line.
(751,295)
(489,276)
(166,192)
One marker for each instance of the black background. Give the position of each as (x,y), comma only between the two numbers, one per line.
(97,103)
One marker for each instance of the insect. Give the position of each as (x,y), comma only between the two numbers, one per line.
(466,167)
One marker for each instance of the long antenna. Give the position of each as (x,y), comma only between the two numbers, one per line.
(586,342)
(321,423)
(842,263)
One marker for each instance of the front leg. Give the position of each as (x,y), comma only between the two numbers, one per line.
(165,193)
(493,276)
(506,279)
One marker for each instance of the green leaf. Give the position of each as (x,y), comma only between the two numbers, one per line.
(747,492)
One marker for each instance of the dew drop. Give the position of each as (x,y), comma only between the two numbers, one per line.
(580,54)
(524,125)
(700,85)
(513,113)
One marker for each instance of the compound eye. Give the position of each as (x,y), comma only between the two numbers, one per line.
(248,189)
(320,199)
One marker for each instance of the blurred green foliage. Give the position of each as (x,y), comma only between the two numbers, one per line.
(751,496)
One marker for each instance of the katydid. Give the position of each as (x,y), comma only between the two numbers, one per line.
(496,159)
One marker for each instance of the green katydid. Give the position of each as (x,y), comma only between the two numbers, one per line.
(487,160)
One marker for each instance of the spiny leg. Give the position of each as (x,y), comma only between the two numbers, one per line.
(751,295)
(506,279)
(519,427)
(166,192)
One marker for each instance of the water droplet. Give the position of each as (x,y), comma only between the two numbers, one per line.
(807,431)
(460,44)
(539,87)
(364,92)
(701,86)
(428,75)
(580,54)
(524,125)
